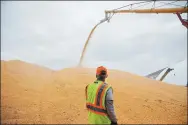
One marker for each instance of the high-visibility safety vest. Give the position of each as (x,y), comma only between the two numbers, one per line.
(95,103)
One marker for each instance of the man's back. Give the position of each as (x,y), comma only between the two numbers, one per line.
(99,101)
(95,103)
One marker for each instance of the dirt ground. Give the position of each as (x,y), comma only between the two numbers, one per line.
(32,94)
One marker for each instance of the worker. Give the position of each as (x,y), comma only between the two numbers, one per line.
(99,100)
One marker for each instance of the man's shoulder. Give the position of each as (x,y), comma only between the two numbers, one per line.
(109,85)
(109,94)
(87,85)
(109,88)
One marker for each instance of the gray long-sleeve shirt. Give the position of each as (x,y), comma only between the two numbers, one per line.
(109,105)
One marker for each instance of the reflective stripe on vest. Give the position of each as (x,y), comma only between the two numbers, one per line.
(97,106)
(99,94)
(97,110)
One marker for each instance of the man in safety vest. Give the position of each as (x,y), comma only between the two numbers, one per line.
(99,100)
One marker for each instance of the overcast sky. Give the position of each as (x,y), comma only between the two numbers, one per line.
(53,33)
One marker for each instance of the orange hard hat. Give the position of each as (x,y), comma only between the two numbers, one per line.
(100,70)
